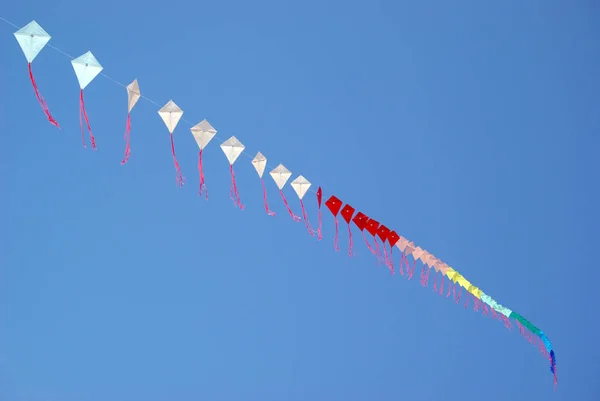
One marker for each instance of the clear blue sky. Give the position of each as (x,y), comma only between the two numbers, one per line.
(471,128)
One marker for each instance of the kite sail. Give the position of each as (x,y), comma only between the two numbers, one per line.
(86,69)
(32,38)
(260,162)
(233,148)
(203,132)
(171,114)
(133,95)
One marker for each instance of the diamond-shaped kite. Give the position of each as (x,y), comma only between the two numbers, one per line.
(260,162)
(301,186)
(334,204)
(171,114)
(281,175)
(203,132)
(233,148)
(32,38)
(133,95)
(86,69)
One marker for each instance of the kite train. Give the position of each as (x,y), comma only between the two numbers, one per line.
(380,240)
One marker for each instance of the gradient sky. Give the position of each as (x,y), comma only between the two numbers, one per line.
(470,127)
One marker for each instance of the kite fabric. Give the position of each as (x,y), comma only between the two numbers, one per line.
(259,163)
(203,132)
(133,95)
(171,114)
(86,69)
(32,38)
(450,283)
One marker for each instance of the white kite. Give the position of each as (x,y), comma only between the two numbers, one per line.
(86,68)
(171,114)
(260,162)
(281,175)
(133,95)
(203,132)
(32,39)
(301,186)
(233,148)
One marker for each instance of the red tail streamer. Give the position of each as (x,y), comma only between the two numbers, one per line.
(127,139)
(233,191)
(270,213)
(40,99)
(178,176)
(201,172)
(83,112)
(287,206)
(306,222)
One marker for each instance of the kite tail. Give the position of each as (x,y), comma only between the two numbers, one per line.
(296,218)
(127,139)
(391,259)
(320,229)
(40,99)
(369,245)
(178,176)
(350,241)
(83,112)
(401,263)
(387,259)
(306,222)
(442,287)
(337,232)
(269,212)
(201,172)
(233,191)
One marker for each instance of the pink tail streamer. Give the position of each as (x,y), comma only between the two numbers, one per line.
(287,206)
(233,191)
(127,139)
(306,222)
(388,260)
(369,245)
(320,229)
(402,257)
(40,99)
(350,241)
(202,188)
(337,233)
(269,212)
(83,112)
(178,176)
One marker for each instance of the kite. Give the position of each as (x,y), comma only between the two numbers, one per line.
(281,175)
(260,162)
(32,38)
(171,114)
(86,69)
(203,132)
(133,95)
(233,148)
(301,186)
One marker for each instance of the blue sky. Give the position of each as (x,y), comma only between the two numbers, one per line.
(471,128)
